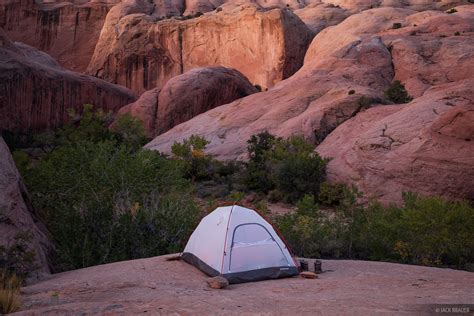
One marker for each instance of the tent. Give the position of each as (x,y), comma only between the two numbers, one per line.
(238,244)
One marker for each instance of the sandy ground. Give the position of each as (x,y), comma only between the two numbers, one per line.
(156,286)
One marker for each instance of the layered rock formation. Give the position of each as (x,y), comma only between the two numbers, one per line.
(141,51)
(17,215)
(188,95)
(68,31)
(426,146)
(36,93)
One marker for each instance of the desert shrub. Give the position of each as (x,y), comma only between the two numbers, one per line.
(297,169)
(130,130)
(258,147)
(457,33)
(397,93)
(289,166)
(16,257)
(86,172)
(425,230)
(396,25)
(9,292)
(351,92)
(85,191)
(191,153)
(307,231)
(451,11)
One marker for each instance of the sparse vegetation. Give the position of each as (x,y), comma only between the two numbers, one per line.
(457,33)
(16,258)
(397,93)
(396,26)
(351,92)
(451,11)
(9,292)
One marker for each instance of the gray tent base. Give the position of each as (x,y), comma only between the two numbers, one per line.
(241,277)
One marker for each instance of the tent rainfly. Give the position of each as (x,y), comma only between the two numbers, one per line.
(238,244)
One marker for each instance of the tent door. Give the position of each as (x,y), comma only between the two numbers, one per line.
(253,247)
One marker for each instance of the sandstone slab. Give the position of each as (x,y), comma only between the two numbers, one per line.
(157,286)
(425,146)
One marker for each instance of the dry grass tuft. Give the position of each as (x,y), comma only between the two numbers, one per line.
(9,293)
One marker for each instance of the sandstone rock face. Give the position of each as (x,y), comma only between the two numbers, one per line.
(188,95)
(17,214)
(142,52)
(364,53)
(35,93)
(425,146)
(313,101)
(154,284)
(67,31)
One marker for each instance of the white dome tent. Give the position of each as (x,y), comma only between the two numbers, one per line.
(238,244)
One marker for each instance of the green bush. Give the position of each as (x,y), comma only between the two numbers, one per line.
(308,231)
(101,201)
(397,93)
(191,153)
(425,230)
(17,258)
(103,198)
(289,166)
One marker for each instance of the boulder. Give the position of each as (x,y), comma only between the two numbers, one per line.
(17,215)
(36,93)
(67,30)
(425,146)
(217,282)
(142,52)
(308,275)
(144,109)
(188,95)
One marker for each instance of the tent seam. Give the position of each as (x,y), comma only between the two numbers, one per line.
(225,241)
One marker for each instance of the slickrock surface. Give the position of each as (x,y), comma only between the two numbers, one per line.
(36,93)
(142,52)
(67,30)
(425,146)
(17,215)
(157,286)
(318,15)
(188,95)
